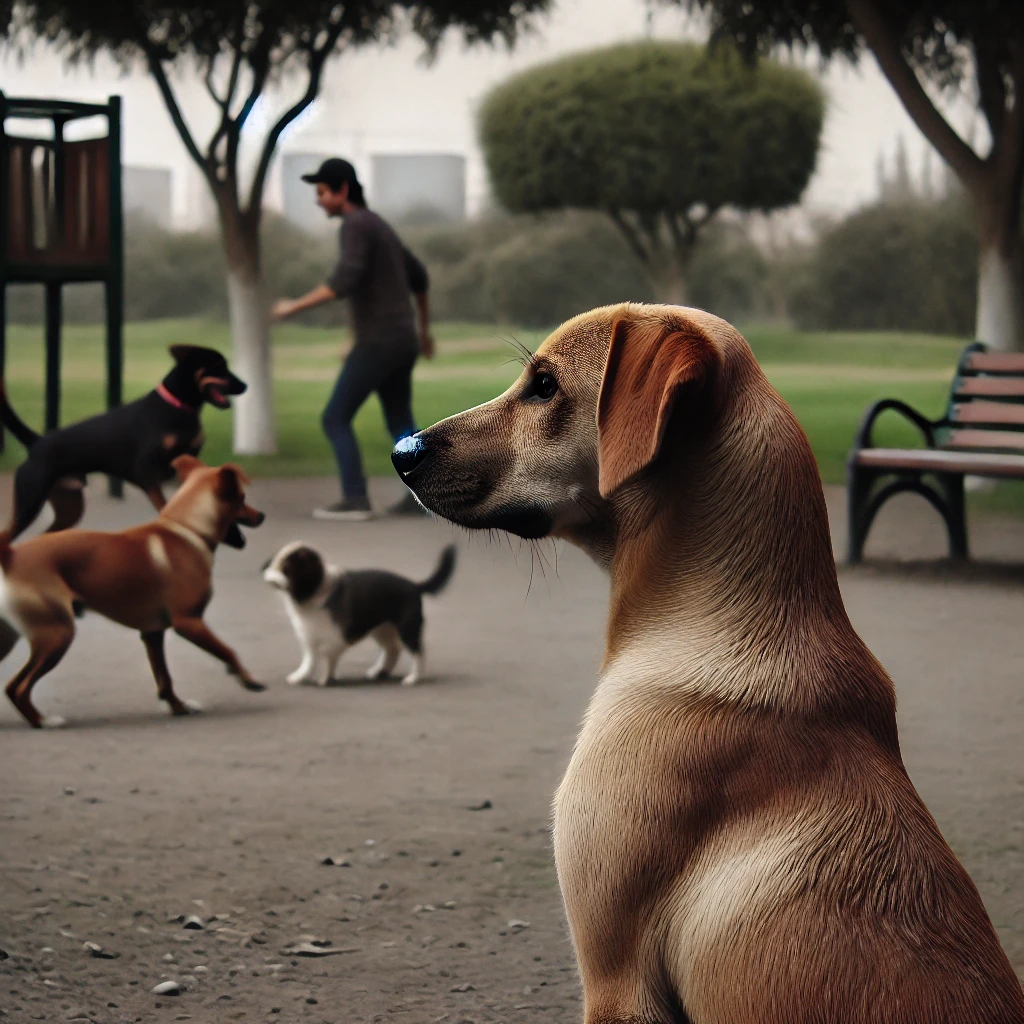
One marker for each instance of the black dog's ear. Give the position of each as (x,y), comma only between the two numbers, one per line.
(179,353)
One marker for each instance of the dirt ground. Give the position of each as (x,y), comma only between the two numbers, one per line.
(436,798)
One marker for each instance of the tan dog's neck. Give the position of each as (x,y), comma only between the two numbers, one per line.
(723,579)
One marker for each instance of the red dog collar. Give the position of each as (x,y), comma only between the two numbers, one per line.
(172,399)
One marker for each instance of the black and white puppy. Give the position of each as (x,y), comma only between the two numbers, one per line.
(331,610)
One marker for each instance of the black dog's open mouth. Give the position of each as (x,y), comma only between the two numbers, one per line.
(216,390)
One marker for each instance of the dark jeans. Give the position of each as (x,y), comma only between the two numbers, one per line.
(368,368)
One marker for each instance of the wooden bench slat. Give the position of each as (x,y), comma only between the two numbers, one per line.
(996,362)
(939,460)
(1002,387)
(988,412)
(990,439)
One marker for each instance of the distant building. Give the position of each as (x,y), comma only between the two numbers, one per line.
(147,190)
(428,185)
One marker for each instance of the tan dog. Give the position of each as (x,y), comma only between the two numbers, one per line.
(148,578)
(736,836)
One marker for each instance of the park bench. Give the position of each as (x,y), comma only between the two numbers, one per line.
(982,434)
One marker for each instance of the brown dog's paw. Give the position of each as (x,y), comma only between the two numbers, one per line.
(251,684)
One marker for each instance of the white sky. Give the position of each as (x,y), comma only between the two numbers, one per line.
(386,99)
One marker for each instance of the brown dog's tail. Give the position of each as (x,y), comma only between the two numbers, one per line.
(441,575)
(13,422)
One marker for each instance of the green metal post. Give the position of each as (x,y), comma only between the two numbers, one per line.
(115,277)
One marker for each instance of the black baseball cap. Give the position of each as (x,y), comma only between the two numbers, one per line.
(333,173)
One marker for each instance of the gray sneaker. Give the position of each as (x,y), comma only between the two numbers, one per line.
(348,510)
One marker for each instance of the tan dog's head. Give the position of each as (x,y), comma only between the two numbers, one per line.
(581,428)
(210,498)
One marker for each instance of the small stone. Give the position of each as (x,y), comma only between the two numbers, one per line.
(176,919)
(166,988)
(96,950)
(50,949)
(200,969)
(485,806)
(383,885)
(356,898)
(517,926)
(371,842)
(336,862)
(69,790)
(456,853)
(465,987)
(449,905)
(312,1000)
(308,949)
(169,958)
(195,923)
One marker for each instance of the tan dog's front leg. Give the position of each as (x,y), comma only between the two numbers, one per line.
(197,632)
(601,852)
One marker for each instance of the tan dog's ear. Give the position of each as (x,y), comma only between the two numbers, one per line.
(648,363)
(184,465)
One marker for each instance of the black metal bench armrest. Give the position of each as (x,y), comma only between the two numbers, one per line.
(926,426)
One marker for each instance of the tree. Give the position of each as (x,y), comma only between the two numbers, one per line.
(241,47)
(926,48)
(659,136)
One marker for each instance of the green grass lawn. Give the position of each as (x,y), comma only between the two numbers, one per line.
(828,379)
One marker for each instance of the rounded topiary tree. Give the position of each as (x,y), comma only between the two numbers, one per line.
(658,135)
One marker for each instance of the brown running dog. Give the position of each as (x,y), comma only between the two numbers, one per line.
(736,837)
(150,578)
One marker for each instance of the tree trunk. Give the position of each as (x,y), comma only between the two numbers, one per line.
(248,314)
(670,286)
(1000,317)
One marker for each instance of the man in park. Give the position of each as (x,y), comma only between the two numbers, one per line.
(380,277)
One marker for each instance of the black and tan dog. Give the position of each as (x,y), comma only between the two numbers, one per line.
(136,442)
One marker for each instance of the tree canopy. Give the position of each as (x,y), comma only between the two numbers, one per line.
(658,135)
(926,48)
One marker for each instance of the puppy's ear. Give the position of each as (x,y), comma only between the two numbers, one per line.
(184,465)
(179,353)
(650,363)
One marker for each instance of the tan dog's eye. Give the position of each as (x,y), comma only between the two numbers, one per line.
(542,388)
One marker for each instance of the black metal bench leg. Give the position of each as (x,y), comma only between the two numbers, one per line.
(858,487)
(956,515)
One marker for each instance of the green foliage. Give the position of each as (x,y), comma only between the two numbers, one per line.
(527,270)
(650,128)
(269,34)
(892,266)
(937,35)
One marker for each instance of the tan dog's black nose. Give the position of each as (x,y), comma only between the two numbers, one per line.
(408,454)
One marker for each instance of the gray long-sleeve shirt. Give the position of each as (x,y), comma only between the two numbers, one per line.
(379,275)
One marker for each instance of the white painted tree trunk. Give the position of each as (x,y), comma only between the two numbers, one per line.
(254,429)
(1000,318)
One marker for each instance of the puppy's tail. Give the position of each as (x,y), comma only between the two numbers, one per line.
(13,422)
(441,575)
